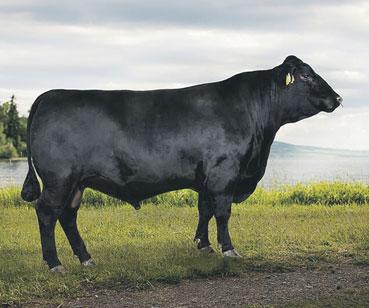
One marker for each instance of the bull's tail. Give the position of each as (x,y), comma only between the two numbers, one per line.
(31,187)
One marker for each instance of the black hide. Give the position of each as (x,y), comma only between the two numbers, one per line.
(213,138)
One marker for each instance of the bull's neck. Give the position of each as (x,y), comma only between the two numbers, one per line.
(263,103)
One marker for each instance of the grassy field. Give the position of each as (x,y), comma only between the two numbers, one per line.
(296,226)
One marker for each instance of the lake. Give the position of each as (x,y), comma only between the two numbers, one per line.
(284,166)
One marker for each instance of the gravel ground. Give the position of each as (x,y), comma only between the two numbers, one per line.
(252,288)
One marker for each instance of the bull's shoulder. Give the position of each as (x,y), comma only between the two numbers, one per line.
(252,166)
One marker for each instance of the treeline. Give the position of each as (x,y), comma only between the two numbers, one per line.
(13,130)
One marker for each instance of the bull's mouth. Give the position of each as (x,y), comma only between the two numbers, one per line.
(329,105)
(331,109)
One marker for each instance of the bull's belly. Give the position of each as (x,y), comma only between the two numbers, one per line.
(136,191)
(238,198)
(245,188)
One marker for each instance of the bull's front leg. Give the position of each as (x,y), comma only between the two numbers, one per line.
(219,188)
(206,212)
(222,211)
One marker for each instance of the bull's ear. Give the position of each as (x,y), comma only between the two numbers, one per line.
(288,69)
(292,60)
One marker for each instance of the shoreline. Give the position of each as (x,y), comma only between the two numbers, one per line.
(9,160)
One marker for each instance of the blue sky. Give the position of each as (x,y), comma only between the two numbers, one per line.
(166,44)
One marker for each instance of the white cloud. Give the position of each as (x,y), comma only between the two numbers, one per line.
(146,45)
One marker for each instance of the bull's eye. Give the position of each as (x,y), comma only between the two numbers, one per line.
(306,77)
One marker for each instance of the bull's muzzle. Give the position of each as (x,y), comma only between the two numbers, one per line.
(330,104)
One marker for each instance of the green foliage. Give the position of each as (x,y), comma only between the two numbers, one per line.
(324,193)
(3,140)
(139,248)
(299,225)
(327,194)
(13,130)
(8,151)
(177,198)
(10,197)
(95,198)
(23,128)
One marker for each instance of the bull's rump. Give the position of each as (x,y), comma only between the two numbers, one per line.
(140,141)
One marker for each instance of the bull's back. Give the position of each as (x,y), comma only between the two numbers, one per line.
(128,137)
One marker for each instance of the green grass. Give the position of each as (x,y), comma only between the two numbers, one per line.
(273,230)
(326,193)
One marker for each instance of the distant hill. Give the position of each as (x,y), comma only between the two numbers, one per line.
(282,149)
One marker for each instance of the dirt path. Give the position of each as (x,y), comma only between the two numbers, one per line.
(254,288)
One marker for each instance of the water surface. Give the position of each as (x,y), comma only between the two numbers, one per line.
(281,169)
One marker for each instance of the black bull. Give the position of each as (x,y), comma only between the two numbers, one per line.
(213,138)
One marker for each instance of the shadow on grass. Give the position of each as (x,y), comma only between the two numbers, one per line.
(140,266)
(133,265)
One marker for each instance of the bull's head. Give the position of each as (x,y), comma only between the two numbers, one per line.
(305,93)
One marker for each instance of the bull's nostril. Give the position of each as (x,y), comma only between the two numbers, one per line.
(339,99)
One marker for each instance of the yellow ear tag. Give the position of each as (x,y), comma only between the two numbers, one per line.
(288,79)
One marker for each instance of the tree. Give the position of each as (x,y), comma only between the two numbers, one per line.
(23,128)
(13,130)
(12,125)
(7,150)
(2,135)
(22,150)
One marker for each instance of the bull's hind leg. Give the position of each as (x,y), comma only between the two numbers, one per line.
(202,232)
(49,208)
(68,221)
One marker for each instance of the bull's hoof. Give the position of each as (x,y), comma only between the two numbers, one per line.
(89,262)
(231,254)
(207,249)
(58,269)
